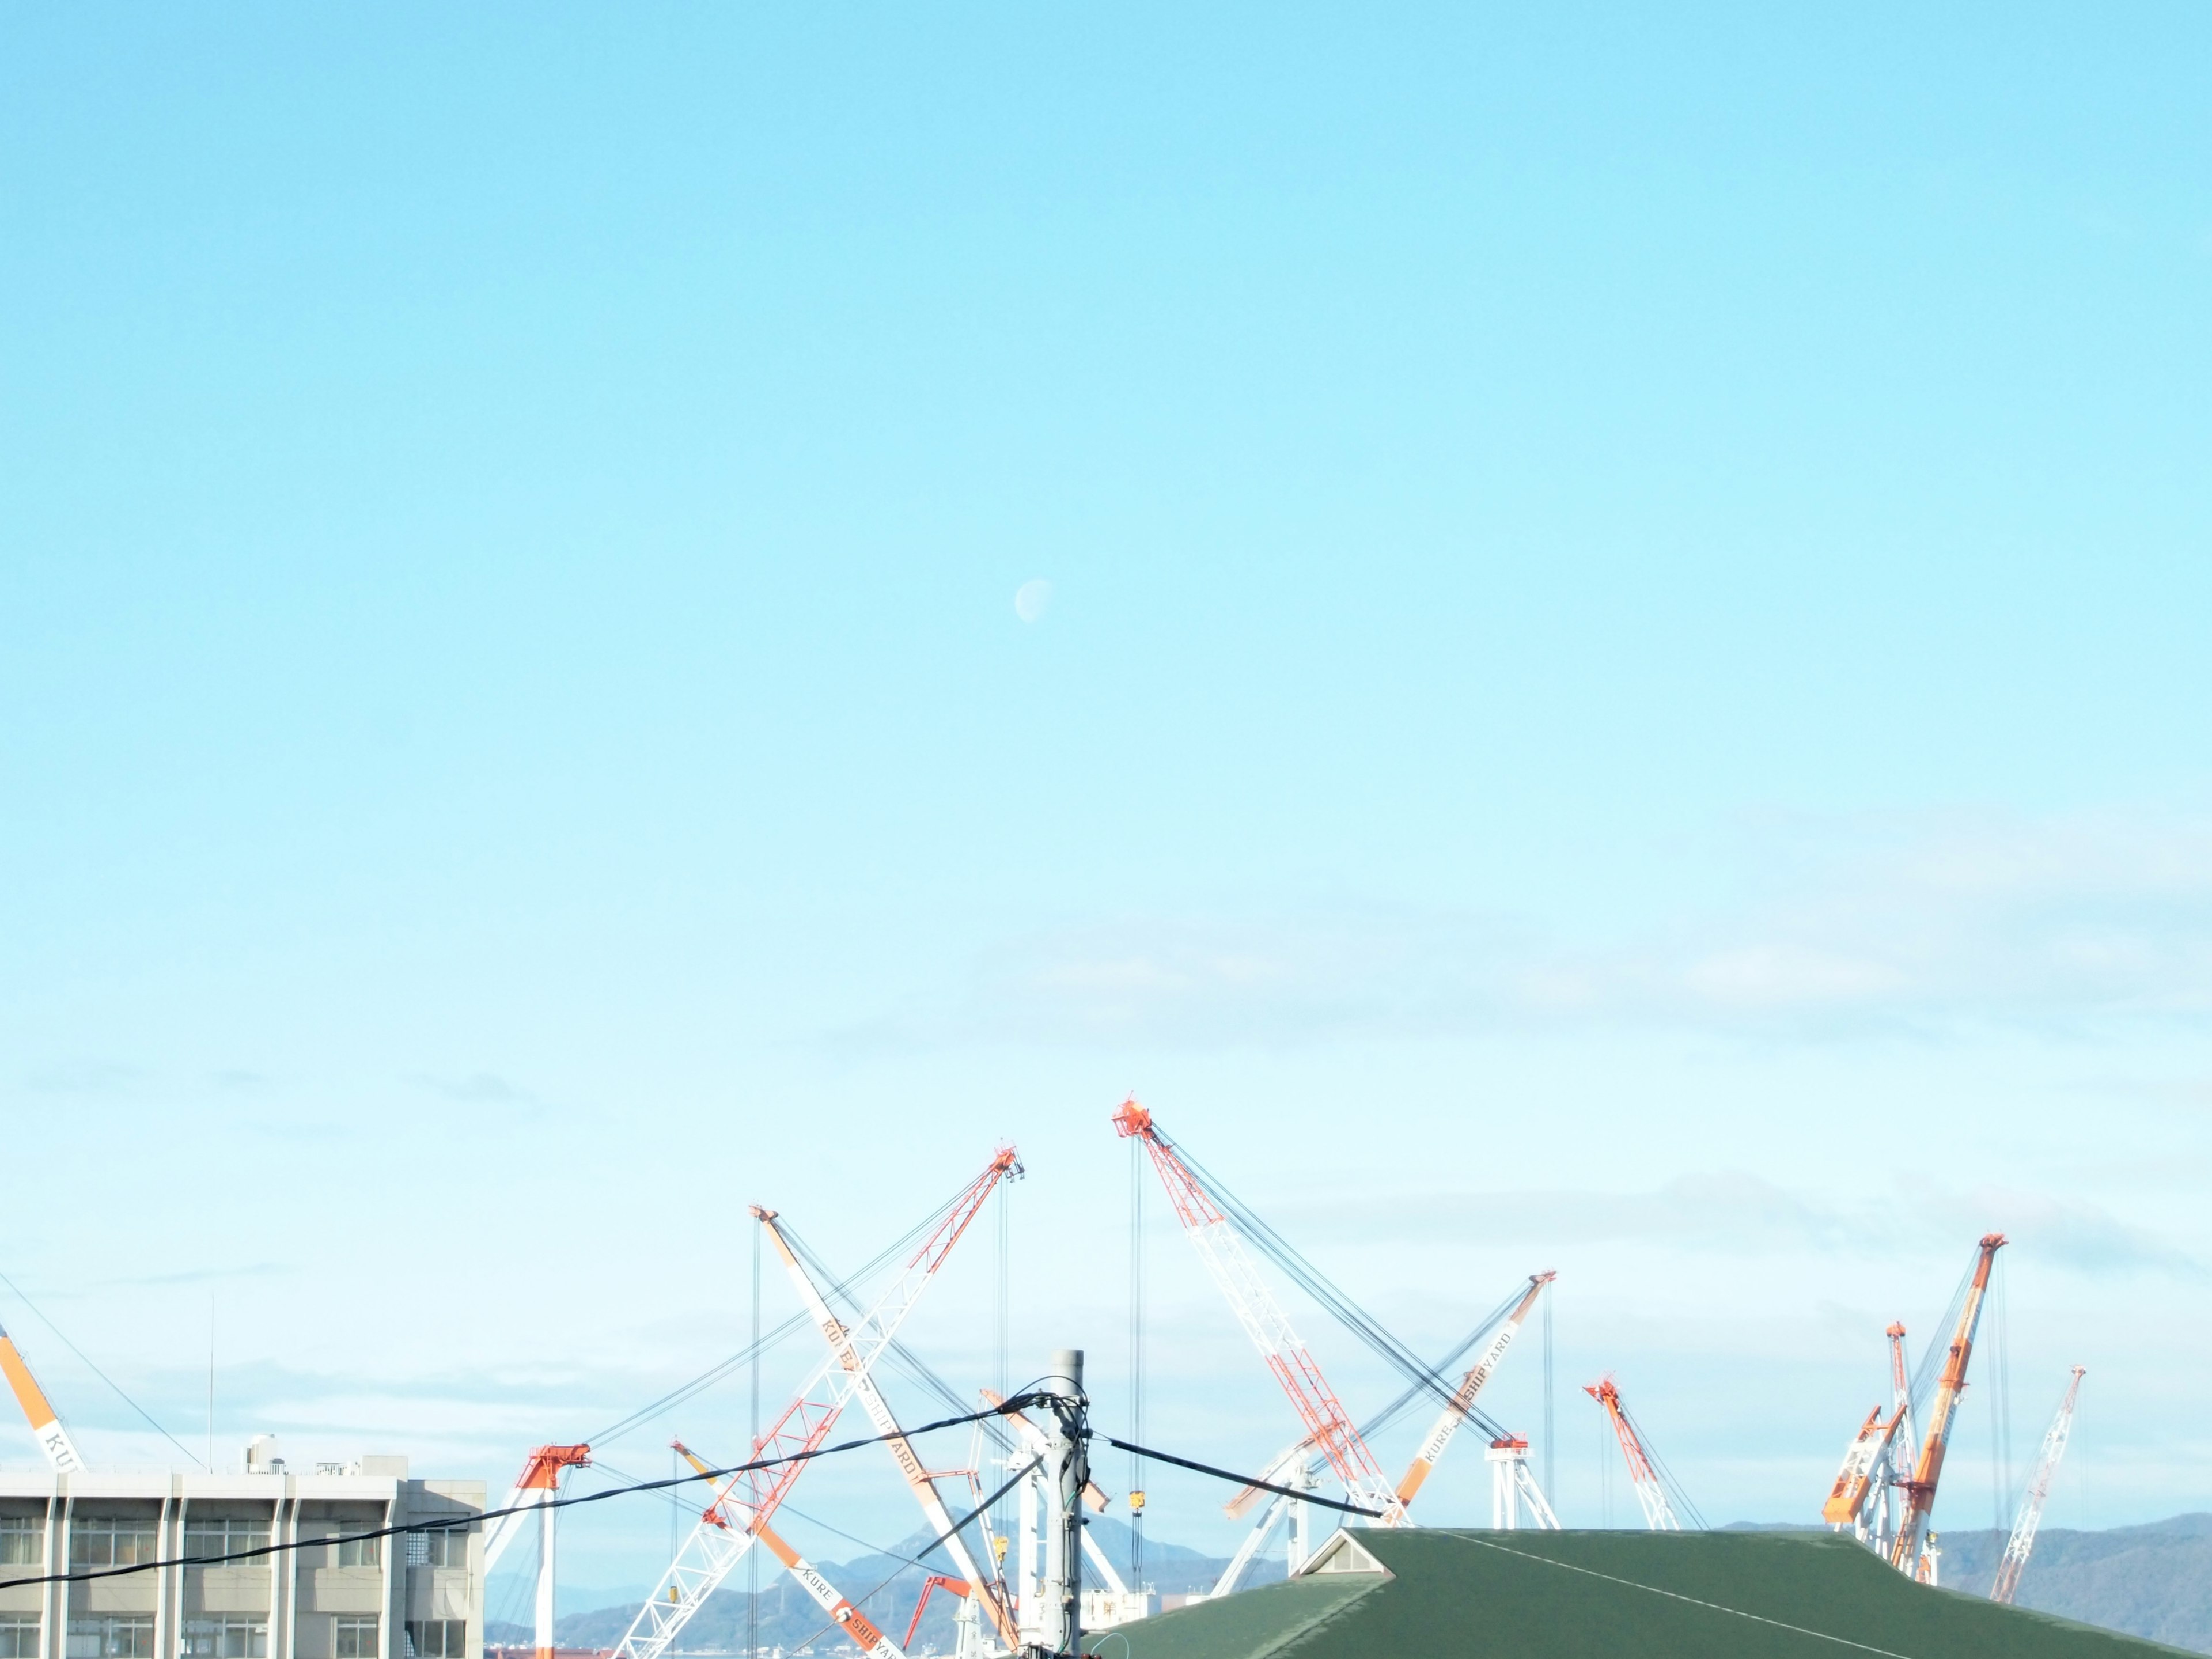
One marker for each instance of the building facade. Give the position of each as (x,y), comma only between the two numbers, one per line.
(410,1596)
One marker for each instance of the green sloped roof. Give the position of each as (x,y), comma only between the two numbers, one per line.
(1619,1595)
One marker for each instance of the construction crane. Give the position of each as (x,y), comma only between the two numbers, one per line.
(1868,1493)
(535,1490)
(1910,1549)
(1115,1602)
(1329,1430)
(728,1526)
(2022,1542)
(1643,1473)
(45,1426)
(989,1592)
(1455,1411)
(858,1628)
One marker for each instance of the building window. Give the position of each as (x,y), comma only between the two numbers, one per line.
(22,1541)
(347,1552)
(447,1547)
(439,1638)
(356,1638)
(227,1638)
(111,1540)
(111,1638)
(19,1636)
(212,1539)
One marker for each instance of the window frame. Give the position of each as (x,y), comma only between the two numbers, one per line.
(356,1624)
(18,1532)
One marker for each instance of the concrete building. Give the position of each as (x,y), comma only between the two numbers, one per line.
(413,1596)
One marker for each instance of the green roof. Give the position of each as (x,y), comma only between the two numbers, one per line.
(1619,1595)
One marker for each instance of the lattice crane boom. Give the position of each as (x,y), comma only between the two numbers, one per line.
(1908,1550)
(989,1593)
(1455,1412)
(858,1628)
(725,1531)
(2022,1542)
(1329,1429)
(1650,1494)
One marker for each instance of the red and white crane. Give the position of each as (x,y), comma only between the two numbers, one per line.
(2022,1542)
(1329,1430)
(987,1592)
(535,1490)
(1658,1514)
(861,1630)
(45,1424)
(731,1522)
(1909,1551)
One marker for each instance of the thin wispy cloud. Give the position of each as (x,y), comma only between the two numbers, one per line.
(1918,928)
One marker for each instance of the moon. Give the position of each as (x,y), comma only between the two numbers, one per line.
(1031,598)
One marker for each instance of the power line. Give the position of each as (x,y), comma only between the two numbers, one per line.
(436,1523)
(96,1372)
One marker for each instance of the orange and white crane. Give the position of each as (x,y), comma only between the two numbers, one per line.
(987,1592)
(1868,1489)
(2022,1542)
(535,1490)
(46,1426)
(731,1522)
(1908,1550)
(1454,1411)
(1329,1430)
(861,1630)
(1658,1514)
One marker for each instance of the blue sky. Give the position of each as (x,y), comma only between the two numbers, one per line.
(1623,689)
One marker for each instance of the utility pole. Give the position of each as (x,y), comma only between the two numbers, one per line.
(1067,1468)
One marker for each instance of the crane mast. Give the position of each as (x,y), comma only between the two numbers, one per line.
(2023,1541)
(729,1525)
(1908,1551)
(1650,1494)
(988,1592)
(1454,1411)
(1329,1429)
(45,1424)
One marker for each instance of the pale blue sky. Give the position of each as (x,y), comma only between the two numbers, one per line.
(1625,689)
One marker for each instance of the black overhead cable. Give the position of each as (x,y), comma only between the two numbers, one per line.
(463,1522)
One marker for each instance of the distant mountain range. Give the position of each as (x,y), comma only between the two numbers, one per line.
(2153,1581)
(883,1587)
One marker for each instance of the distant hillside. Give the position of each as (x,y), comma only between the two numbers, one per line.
(883,1587)
(2153,1580)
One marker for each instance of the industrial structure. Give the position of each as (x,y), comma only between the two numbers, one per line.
(266,1562)
(353,1561)
(1884,1492)
(2022,1542)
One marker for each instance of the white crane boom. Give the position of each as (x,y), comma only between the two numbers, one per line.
(987,1591)
(2022,1542)
(726,1529)
(46,1426)
(1454,1411)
